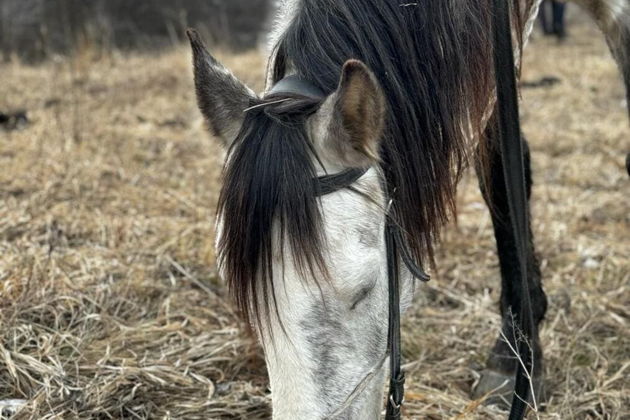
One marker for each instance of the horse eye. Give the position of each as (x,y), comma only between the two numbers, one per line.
(360,297)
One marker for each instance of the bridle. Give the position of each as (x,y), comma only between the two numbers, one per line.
(396,249)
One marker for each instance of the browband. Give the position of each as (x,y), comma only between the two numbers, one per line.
(329,184)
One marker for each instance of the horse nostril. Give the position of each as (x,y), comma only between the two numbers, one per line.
(628,164)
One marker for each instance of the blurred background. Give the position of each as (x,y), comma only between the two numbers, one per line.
(35,29)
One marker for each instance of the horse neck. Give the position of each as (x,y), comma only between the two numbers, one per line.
(283,16)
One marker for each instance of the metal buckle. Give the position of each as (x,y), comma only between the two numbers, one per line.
(393,403)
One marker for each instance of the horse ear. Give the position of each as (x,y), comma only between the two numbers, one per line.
(350,124)
(221,97)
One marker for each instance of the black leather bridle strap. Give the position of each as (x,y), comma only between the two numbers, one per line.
(329,184)
(416,270)
(397,375)
(397,251)
(514,171)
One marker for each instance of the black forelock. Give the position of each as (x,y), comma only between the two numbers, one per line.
(268,184)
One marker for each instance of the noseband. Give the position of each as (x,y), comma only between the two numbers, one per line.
(395,247)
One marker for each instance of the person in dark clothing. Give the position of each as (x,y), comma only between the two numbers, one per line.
(554,24)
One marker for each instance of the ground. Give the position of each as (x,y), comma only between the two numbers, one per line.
(110,306)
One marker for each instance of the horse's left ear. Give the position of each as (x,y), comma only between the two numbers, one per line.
(348,128)
(222,98)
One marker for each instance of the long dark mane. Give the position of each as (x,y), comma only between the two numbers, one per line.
(434,62)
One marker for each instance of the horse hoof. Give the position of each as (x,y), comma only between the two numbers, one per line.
(497,388)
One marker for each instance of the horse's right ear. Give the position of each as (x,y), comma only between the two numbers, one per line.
(222,98)
(348,127)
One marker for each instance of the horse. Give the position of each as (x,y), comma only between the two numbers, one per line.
(404,93)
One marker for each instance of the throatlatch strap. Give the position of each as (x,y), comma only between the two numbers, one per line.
(514,171)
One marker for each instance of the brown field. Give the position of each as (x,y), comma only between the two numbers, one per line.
(109,302)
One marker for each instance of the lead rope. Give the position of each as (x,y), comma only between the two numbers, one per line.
(514,171)
(395,245)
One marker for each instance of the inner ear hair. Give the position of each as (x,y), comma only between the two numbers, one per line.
(360,112)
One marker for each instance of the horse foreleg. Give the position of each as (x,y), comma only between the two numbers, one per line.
(502,362)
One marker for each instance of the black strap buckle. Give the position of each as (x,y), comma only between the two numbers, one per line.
(396,398)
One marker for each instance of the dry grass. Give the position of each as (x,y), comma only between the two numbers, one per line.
(110,306)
